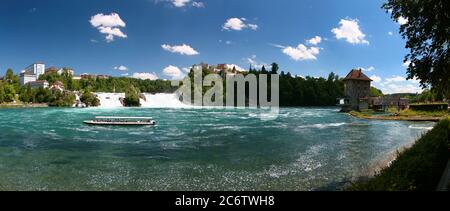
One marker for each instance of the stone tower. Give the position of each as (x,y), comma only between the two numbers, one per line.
(356,90)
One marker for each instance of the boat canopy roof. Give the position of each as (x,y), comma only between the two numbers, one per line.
(117,117)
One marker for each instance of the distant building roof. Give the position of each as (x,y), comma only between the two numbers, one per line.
(27,74)
(52,68)
(357,74)
(38,82)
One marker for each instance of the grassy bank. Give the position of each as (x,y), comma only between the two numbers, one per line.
(418,168)
(23,105)
(405,115)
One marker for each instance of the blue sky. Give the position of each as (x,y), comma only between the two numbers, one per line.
(159,38)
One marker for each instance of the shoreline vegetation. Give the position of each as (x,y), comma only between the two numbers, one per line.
(398,117)
(24,105)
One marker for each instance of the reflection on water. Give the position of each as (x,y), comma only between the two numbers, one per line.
(192,149)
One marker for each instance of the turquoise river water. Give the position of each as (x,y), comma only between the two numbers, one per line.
(193,149)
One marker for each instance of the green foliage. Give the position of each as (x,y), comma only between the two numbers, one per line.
(9,93)
(374,92)
(429,107)
(132,97)
(297,91)
(41,95)
(418,168)
(122,84)
(428,96)
(9,75)
(89,99)
(26,94)
(2,92)
(427,35)
(62,99)
(310,91)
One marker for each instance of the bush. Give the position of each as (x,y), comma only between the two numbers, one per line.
(132,98)
(418,168)
(429,107)
(62,99)
(89,99)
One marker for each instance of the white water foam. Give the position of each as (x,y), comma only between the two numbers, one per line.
(162,101)
(110,100)
(420,128)
(322,126)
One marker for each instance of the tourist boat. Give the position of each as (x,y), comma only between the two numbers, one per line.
(122,121)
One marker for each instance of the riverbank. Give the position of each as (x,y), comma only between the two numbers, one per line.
(418,168)
(376,167)
(402,116)
(24,105)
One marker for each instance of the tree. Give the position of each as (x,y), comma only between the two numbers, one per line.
(2,92)
(10,93)
(26,94)
(132,97)
(89,99)
(62,99)
(275,68)
(374,92)
(9,77)
(427,34)
(42,95)
(263,70)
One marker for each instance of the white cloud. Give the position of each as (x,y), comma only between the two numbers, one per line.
(301,52)
(376,79)
(112,20)
(146,76)
(121,68)
(186,69)
(184,3)
(238,24)
(180,3)
(125,74)
(396,84)
(402,21)
(253,27)
(350,31)
(254,63)
(406,64)
(395,79)
(181,49)
(402,88)
(390,33)
(173,72)
(315,40)
(239,69)
(198,4)
(109,25)
(369,69)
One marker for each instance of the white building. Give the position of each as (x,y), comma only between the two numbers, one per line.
(26,78)
(37,68)
(37,84)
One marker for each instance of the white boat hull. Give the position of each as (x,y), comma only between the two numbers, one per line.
(152,123)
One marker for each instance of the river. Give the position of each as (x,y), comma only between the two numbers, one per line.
(193,149)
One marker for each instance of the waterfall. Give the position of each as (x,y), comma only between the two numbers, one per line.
(110,100)
(162,101)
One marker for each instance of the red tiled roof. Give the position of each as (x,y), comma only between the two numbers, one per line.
(357,75)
